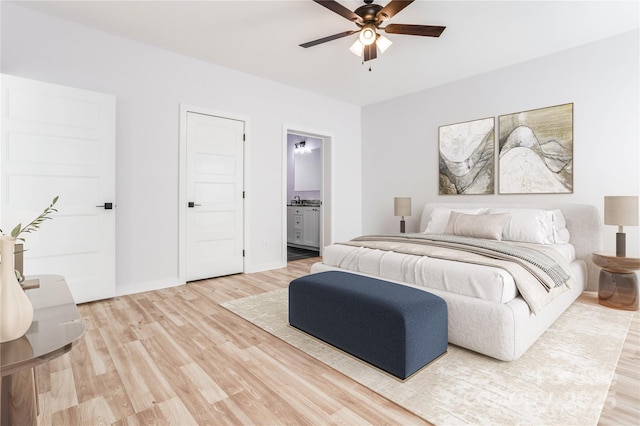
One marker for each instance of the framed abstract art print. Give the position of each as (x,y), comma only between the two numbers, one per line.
(466,159)
(536,151)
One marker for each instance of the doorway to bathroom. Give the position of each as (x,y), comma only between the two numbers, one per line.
(305,193)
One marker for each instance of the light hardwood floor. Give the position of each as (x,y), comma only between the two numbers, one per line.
(175,356)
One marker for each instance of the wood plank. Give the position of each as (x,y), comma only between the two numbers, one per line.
(205,385)
(95,411)
(622,405)
(114,392)
(97,350)
(175,413)
(83,367)
(63,389)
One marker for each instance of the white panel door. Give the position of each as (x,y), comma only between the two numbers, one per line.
(214,217)
(58,140)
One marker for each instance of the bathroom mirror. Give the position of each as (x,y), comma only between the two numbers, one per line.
(308,171)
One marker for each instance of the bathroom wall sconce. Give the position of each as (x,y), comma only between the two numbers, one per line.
(301,148)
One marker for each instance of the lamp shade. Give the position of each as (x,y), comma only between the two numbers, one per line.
(402,206)
(621,210)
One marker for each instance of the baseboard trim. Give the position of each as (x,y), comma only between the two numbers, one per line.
(265,267)
(148,286)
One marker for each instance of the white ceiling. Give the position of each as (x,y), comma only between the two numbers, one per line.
(262,37)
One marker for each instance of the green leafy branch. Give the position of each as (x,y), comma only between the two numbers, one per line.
(35,223)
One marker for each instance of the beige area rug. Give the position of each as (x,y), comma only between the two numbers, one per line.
(562,379)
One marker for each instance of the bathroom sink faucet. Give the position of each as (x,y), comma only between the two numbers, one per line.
(296,199)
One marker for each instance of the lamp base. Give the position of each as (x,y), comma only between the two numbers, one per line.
(402,226)
(621,244)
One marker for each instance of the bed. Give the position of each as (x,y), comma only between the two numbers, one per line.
(493,308)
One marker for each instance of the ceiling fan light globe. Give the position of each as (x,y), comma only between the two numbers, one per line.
(383,43)
(368,35)
(357,48)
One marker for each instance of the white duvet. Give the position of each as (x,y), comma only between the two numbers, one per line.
(479,281)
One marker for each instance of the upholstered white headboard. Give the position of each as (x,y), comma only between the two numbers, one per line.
(583,223)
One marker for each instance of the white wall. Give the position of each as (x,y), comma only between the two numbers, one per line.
(601,79)
(149,85)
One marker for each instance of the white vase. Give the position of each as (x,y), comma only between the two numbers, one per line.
(16,310)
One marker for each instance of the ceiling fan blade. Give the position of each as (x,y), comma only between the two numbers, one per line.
(370,52)
(391,9)
(419,30)
(336,7)
(328,38)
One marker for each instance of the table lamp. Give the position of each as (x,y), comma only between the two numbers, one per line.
(621,211)
(402,207)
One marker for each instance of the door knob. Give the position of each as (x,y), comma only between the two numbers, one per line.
(106,206)
(191,204)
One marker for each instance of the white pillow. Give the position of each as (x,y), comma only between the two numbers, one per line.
(528,225)
(488,226)
(440,216)
(560,231)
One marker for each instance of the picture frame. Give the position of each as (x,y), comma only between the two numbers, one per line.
(467,157)
(535,151)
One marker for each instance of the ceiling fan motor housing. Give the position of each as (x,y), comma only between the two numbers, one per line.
(368,13)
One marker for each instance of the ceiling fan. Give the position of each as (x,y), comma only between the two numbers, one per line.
(369,18)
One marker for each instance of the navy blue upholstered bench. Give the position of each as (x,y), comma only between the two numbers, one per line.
(396,328)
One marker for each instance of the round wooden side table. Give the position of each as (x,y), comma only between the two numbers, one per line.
(618,282)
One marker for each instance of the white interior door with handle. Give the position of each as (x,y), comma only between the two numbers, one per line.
(214,192)
(60,141)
